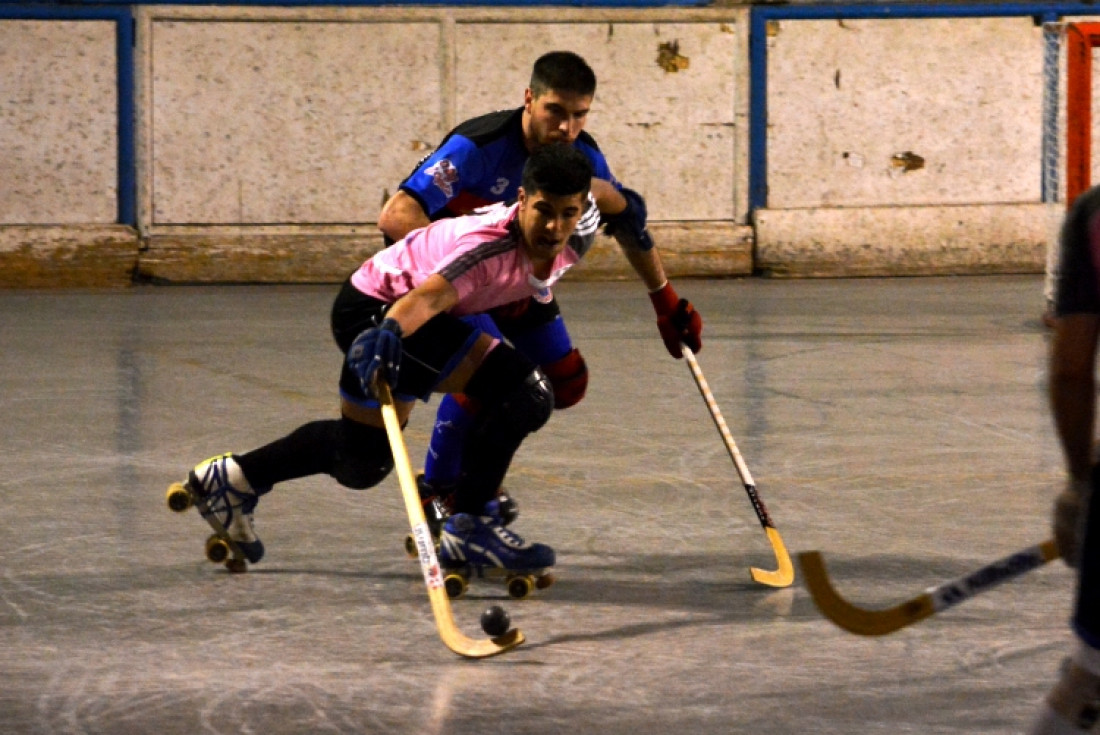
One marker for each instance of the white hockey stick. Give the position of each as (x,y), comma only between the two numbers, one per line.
(864,621)
(429,563)
(784,575)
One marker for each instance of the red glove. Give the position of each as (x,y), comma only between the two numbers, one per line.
(677,320)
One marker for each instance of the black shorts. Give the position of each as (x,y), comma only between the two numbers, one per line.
(427,356)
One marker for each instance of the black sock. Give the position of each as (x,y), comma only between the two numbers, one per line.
(310,449)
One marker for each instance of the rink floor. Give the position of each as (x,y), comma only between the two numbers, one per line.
(899,426)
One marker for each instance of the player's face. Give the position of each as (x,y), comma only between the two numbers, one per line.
(555,117)
(547,221)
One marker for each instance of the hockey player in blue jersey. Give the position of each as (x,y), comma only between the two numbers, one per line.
(480,162)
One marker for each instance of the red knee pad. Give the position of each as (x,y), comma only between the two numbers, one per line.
(569,376)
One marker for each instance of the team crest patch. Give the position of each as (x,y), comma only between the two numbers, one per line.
(444,176)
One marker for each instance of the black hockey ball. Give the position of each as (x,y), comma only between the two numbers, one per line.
(495,621)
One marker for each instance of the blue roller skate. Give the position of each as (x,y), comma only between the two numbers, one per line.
(218,488)
(480,546)
(437,501)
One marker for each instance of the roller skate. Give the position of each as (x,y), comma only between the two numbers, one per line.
(437,502)
(480,546)
(503,508)
(437,509)
(218,489)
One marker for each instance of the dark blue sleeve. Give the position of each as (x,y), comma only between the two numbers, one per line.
(445,173)
(599,164)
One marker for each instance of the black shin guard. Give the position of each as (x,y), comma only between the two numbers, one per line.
(357,456)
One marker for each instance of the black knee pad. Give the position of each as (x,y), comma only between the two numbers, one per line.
(516,394)
(528,407)
(362,455)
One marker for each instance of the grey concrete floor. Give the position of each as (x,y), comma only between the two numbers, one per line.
(898,426)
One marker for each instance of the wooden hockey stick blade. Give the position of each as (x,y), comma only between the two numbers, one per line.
(452,637)
(784,575)
(864,621)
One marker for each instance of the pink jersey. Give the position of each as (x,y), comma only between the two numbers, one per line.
(479,254)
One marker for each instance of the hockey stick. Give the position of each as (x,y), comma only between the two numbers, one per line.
(863,621)
(784,575)
(429,563)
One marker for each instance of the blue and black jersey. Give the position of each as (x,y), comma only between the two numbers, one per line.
(481,162)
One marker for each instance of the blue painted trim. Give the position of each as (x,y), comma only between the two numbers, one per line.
(66,11)
(127,111)
(124,52)
(758,111)
(859,11)
(384,3)
(758,54)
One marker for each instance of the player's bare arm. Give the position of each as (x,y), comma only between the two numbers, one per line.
(646,263)
(607,197)
(435,296)
(1073,386)
(400,215)
(677,319)
(432,297)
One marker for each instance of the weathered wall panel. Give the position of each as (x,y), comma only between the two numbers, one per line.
(905,112)
(67,256)
(268,130)
(901,241)
(665,107)
(261,122)
(58,119)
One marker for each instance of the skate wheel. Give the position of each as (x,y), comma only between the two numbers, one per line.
(178,498)
(455,584)
(520,587)
(545,581)
(236,566)
(217,550)
(410,547)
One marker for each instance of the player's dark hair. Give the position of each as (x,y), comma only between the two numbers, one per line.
(562,71)
(557,169)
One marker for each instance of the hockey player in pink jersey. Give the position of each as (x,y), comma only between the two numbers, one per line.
(398,318)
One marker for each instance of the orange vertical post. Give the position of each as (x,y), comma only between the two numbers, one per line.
(1080,37)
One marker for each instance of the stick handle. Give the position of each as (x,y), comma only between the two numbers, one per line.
(425,547)
(783,576)
(716,415)
(959,590)
(727,437)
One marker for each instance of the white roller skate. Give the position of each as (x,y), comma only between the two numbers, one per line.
(218,488)
(480,546)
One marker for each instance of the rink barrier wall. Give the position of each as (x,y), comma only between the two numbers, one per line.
(256,143)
